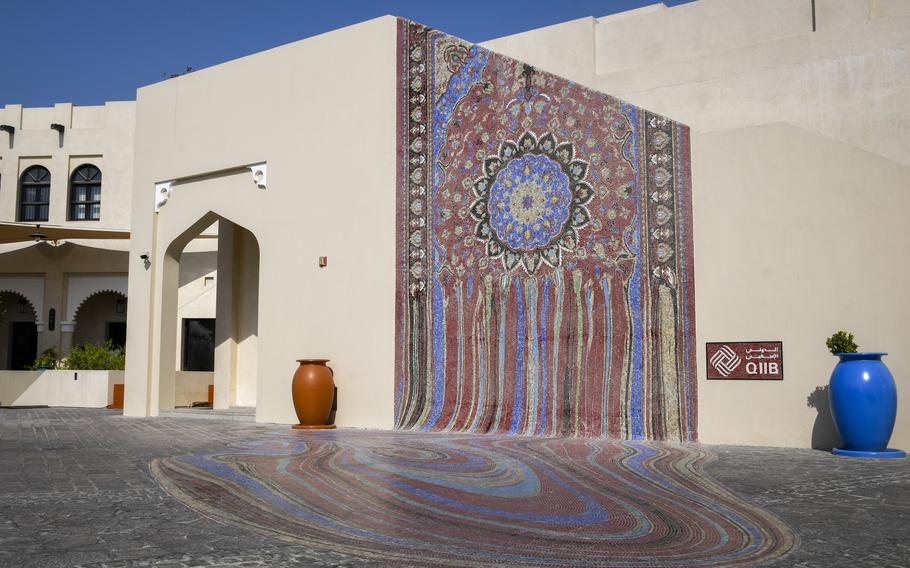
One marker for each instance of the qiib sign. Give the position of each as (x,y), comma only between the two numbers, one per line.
(763,360)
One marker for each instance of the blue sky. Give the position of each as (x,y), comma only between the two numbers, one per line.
(91,51)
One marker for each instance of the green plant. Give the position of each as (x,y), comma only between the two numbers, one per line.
(47,360)
(93,356)
(841,342)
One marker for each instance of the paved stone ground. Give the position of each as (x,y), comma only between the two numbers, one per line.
(75,491)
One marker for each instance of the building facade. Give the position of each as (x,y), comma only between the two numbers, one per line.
(64,168)
(65,202)
(798,150)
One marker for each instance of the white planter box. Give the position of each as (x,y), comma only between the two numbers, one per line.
(83,389)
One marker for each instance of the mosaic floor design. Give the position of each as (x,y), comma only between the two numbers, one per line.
(480,500)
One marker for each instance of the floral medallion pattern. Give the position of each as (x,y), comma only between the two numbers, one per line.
(531,201)
(544,249)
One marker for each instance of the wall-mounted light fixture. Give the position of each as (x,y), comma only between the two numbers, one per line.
(120,307)
(22,307)
(51,319)
(38,236)
(323,261)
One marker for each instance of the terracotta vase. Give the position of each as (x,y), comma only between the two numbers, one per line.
(313,390)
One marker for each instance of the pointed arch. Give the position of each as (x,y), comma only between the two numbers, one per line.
(237,308)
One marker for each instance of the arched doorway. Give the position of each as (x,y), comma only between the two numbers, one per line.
(18,332)
(184,335)
(100,318)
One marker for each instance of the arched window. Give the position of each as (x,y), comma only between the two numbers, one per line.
(34,194)
(85,194)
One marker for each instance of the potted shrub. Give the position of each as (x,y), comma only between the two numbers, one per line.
(863,400)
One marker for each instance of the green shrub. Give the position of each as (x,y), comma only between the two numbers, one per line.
(94,357)
(47,360)
(841,342)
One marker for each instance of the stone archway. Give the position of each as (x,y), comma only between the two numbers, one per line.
(235,372)
(81,289)
(183,209)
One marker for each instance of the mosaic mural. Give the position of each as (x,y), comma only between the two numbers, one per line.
(545,280)
(416,499)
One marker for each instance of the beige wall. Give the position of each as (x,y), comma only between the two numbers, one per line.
(796,236)
(79,389)
(320,112)
(192,387)
(722,64)
(102,136)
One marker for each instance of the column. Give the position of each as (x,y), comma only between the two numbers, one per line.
(225,344)
(66,337)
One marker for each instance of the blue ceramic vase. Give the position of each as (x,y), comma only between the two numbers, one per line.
(864,405)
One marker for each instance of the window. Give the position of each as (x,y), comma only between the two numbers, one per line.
(198,344)
(34,194)
(85,194)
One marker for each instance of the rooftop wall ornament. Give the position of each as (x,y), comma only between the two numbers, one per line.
(60,128)
(11,130)
(260,174)
(162,194)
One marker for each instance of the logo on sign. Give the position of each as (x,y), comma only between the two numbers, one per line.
(725,360)
(745,360)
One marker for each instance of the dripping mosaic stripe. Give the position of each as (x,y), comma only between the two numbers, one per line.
(545,281)
(421,499)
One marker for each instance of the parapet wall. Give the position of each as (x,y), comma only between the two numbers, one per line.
(723,64)
(102,136)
